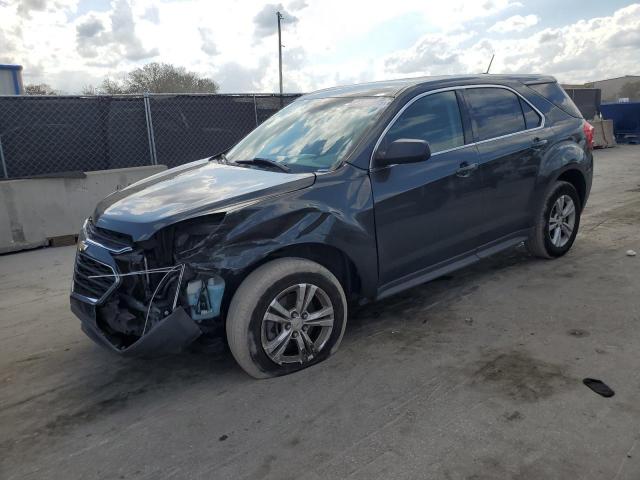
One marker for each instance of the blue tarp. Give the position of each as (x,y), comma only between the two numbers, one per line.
(626,120)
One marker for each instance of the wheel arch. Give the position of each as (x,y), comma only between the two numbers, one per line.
(576,178)
(330,257)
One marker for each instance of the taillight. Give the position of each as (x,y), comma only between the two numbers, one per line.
(588,133)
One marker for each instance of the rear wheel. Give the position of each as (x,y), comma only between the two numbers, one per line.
(556,223)
(287,315)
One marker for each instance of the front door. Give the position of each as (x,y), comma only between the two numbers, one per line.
(427,212)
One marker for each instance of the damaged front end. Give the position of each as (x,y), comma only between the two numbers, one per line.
(138,298)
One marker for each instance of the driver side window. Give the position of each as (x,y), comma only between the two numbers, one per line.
(434,118)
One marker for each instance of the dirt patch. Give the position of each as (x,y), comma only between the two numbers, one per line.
(627,214)
(578,333)
(104,407)
(514,416)
(520,377)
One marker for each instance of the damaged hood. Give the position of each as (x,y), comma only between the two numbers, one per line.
(188,191)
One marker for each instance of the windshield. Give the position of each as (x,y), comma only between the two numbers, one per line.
(311,135)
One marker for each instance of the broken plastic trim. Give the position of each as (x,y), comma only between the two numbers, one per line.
(170,335)
(167,272)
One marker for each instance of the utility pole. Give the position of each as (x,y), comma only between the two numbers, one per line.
(279,16)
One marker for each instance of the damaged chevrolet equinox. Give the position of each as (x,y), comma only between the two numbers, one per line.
(345,196)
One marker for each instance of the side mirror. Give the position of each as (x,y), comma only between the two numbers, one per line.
(403,150)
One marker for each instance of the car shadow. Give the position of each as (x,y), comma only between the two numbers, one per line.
(432,295)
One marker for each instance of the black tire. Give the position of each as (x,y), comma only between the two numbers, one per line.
(251,300)
(540,241)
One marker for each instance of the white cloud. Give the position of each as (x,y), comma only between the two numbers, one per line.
(327,42)
(208,45)
(152,14)
(433,54)
(588,49)
(266,21)
(27,6)
(516,23)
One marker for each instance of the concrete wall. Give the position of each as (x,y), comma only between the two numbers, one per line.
(612,86)
(34,210)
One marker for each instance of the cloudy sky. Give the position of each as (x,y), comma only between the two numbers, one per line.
(73,43)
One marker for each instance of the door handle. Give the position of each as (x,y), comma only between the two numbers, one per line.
(539,142)
(466,169)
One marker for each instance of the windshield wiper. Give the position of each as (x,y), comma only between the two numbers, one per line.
(266,162)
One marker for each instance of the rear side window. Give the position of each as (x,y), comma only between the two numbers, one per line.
(495,112)
(556,95)
(531,117)
(434,118)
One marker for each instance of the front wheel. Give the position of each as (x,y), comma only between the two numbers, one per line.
(286,315)
(557,222)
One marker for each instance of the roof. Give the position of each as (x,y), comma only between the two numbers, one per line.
(615,78)
(392,88)
(5,66)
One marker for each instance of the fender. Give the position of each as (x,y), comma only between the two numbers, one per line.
(337,212)
(567,152)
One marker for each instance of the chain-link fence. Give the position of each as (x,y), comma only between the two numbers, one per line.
(51,135)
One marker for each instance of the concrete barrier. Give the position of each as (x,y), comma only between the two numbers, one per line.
(35,210)
(603,136)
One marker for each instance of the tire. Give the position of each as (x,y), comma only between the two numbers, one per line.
(253,337)
(544,241)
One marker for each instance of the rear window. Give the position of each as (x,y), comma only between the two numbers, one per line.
(495,112)
(556,95)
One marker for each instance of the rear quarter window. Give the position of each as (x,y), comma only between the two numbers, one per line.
(495,112)
(531,118)
(556,95)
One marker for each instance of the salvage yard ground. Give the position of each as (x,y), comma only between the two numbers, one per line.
(476,375)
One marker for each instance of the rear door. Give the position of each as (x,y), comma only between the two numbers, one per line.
(427,212)
(510,144)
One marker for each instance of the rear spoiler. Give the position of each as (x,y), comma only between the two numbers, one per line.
(540,80)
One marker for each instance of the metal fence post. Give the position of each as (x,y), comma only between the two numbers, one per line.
(4,165)
(150,135)
(255,109)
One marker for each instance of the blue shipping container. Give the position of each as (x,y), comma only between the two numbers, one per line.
(626,120)
(11,79)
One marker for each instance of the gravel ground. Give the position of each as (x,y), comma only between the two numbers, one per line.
(476,375)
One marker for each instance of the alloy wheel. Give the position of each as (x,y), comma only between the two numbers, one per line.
(297,324)
(562,221)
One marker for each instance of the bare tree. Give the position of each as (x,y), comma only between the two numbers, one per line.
(156,78)
(113,87)
(89,90)
(39,89)
(166,78)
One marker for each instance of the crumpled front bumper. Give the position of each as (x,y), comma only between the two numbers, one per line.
(171,335)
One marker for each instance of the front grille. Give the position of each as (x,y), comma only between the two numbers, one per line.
(93,289)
